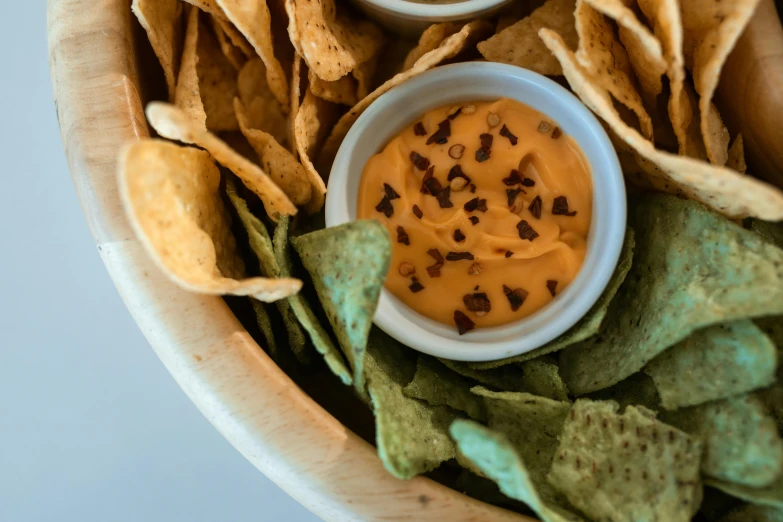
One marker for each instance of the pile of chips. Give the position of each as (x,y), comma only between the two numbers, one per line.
(669,384)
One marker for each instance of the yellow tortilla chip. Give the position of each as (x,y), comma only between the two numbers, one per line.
(714,132)
(364,75)
(342,91)
(313,120)
(172,123)
(430,39)
(603,56)
(644,49)
(722,189)
(330,42)
(253,20)
(208,6)
(187,95)
(235,36)
(295,100)
(736,159)
(448,49)
(275,159)
(171,196)
(162,20)
(233,54)
(261,108)
(519,44)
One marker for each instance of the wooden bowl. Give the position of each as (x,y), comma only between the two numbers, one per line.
(265,415)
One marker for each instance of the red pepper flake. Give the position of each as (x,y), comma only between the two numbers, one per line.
(444,196)
(484,152)
(459,237)
(527,182)
(512,194)
(556,133)
(535,207)
(509,253)
(390,192)
(427,185)
(419,161)
(513,179)
(459,256)
(434,270)
(463,322)
(560,207)
(508,134)
(474,220)
(477,303)
(472,188)
(455,113)
(419,129)
(385,207)
(402,236)
(475,204)
(417,211)
(415,286)
(526,231)
(441,135)
(551,285)
(516,297)
(456,172)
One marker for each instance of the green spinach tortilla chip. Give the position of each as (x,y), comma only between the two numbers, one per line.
(741,440)
(412,436)
(265,325)
(303,312)
(587,325)
(713,363)
(692,268)
(507,378)
(348,265)
(541,377)
(495,456)
(439,386)
(626,467)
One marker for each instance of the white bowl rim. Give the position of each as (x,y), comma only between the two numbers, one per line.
(432,11)
(604,241)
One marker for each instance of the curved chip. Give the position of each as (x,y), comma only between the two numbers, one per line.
(342,90)
(429,40)
(261,108)
(170,194)
(162,20)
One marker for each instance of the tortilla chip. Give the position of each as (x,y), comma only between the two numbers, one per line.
(691,269)
(589,324)
(439,386)
(736,156)
(364,74)
(261,108)
(540,377)
(265,325)
(342,91)
(411,435)
(302,311)
(296,100)
(252,19)
(348,264)
(493,454)
(170,194)
(187,95)
(450,47)
(741,440)
(235,56)
(208,6)
(162,21)
(330,42)
(520,45)
(603,56)
(723,189)
(714,363)
(508,378)
(170,122)
(626,467)
(314,118)
(429,40)
(637,390)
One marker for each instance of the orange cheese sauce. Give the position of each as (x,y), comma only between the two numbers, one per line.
(506,266)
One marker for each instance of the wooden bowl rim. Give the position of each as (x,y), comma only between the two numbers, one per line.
(262,413)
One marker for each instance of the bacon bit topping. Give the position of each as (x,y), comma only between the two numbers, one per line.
(527,182)
(493,120)
(516,297)
(402,236)
(475,269)
(417,211)
(415,286)
(441,135)
(419,161)
(474,220)
(456,151)
(544,127)
(406,269)
(459,256)
(390,192)
(484,152)
(508,134)
(385,207)
(535,207)
(551,285)
(509,253)
(526,231)
(463,322)
(556,133)
(419,129)
(560,207)
(459,237)
(513,179)
(478,303)
(512,194)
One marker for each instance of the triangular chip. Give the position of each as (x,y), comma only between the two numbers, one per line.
(173,124)
(520,45)
(342,90)
(626,467)
(233,54)
(364,74)
(439,386)
(348,264)
(187,95)
(429,40)
(264,322)
(296,100)
(170,194)
(330,42)
(691,269)
(208,6)
(723,189)
(541,377)
(261,108)
(736,159)
(253,20)
(162,20)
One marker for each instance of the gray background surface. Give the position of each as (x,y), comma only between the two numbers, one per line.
(92,427)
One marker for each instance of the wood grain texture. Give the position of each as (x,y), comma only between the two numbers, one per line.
(750,93)
(281,430)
